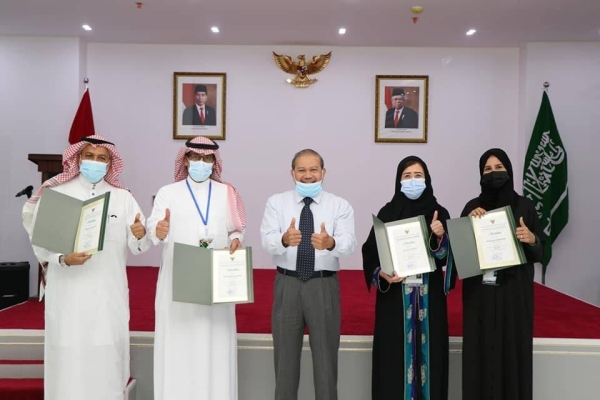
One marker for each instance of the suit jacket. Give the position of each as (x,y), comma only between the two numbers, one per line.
(191,116)
(407,119)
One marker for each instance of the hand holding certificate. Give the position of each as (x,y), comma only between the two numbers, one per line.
(208,276)
(402,246)
(485,242)
(495,238)
(68,225)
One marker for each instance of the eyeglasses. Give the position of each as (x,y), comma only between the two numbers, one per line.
(208,158)
(91,157)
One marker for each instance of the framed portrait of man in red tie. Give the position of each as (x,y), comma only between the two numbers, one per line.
(199,105)
(401,108)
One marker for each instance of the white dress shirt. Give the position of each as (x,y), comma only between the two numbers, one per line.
(335,212)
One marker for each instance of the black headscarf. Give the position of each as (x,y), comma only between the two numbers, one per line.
(489,198)
(401,207)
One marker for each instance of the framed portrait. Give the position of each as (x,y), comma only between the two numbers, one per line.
(199,105)
(401,108)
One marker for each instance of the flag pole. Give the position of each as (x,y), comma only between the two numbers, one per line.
(86,80)
(546,86)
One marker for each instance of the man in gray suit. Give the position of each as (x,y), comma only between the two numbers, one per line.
(307,230)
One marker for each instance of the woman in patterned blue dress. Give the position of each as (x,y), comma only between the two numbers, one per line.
(410,342)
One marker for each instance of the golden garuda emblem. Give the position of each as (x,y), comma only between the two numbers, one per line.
(300,69)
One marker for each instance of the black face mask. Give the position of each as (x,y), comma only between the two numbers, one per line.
(494,180)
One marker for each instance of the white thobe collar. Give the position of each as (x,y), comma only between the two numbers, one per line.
(93,189)
(197,185)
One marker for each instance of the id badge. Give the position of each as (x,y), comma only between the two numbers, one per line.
(207,243)
(414,280)
(489,278)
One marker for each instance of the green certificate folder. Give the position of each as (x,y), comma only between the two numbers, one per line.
(485,244)
(209,276)
(66,225)
(403,246)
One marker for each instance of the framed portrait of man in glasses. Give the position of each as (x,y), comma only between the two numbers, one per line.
(401,108)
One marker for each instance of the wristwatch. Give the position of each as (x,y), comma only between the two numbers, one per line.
(62,262)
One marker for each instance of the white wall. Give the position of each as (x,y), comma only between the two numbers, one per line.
(478,98)
(572,69)
(39,93)
(268,120)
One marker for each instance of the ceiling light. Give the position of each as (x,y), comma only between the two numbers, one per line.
(471,32)
(342,31)
(215,29)
(87,27)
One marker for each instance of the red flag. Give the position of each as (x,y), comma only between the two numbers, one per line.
(83,123)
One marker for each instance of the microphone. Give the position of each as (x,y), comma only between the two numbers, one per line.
(26,191)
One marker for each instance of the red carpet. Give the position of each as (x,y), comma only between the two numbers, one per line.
(556,315)
(22,389)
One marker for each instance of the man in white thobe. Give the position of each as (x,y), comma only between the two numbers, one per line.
(195,346)
(86,346)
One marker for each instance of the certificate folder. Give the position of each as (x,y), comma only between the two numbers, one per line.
(209,276)
(475,252)
(464,248)
(403,246)
(66,225)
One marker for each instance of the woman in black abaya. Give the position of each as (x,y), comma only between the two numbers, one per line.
(410,343)
(498,309)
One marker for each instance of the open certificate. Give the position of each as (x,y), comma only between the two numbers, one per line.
(403,247)
(66,225)
(230,283)
(91,227)
(208,276)
(497,246)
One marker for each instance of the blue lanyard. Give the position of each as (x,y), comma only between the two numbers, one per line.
(204,220)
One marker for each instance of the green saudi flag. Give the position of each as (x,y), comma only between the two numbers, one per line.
(545,177)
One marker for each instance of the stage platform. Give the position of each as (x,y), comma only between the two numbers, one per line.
(566,343)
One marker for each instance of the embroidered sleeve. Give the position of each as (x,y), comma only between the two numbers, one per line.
(375,278)
(442,250)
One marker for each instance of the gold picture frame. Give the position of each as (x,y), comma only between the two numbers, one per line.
(401,108)
(199,105)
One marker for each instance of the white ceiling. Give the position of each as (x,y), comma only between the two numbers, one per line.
(307,22)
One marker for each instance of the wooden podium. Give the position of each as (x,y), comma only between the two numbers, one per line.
(49,165)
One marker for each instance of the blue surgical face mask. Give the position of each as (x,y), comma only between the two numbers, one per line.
(93,171)
(308,189)
(200,170)
(413,188)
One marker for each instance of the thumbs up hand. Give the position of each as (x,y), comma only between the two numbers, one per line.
(137,228)
(524,234)
(162,228)
(478,212)
(292,236)
(436,226)
(322,240)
